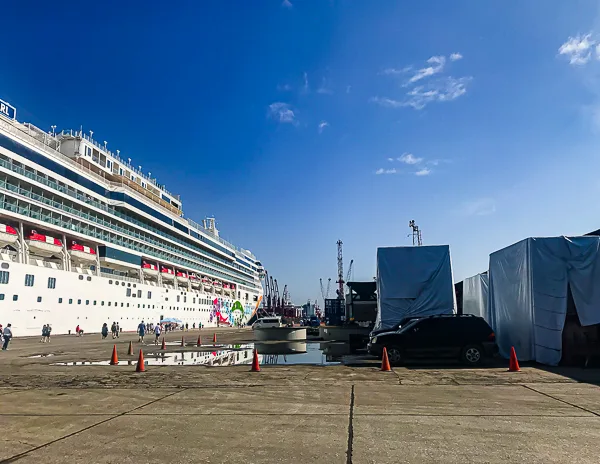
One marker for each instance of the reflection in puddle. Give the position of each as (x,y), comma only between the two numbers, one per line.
(275,353)
(47,355)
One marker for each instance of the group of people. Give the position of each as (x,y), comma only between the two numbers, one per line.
(5,336)
(46,331)
(115,330)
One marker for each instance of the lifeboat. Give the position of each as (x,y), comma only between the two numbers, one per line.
(195,281)
(182,277)
(149,269)
(207,284)
(82,252)
(167,274)
(218,286)
(226,290)
(43,245)
(8,235)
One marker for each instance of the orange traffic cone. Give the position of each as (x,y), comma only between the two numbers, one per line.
(130,351)
(385,363)
(199,342)
(164,345)
(182,342)
(255,364)
(215,338)
(513,363)
(114,359)
(140,364)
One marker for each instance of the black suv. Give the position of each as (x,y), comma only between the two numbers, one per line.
(394,328)
(466,337)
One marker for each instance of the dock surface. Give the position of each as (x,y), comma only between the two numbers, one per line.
(285,414)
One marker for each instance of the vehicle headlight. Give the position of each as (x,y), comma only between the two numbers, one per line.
(374,340)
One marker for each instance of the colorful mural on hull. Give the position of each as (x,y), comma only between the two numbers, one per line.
(229,312)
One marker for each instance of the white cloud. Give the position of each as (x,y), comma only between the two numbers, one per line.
(286,4)
(322,126)
(284,87)
(386,171)
(348,88)
(281,112)
(578,49)
(325,87)
(479,207)
(423,172)
(409,158)
(434,89)
(305,87)
(437,63)
(390,160)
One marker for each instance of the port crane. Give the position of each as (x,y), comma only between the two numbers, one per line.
(325,293)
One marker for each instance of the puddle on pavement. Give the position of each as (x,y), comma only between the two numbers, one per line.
(41,355)
(275,353)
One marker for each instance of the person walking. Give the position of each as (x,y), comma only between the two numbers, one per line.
(7,333)
(113,330)
(141,331)
(118,330)
(104,330)
(156,334)
(44,333)
(48,332)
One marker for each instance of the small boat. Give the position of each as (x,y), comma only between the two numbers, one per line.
(8,235)
(195,281)
(81,252)
(207,284)
(218,286)
(43,245)
(167,273)
(149,269)
(182,277)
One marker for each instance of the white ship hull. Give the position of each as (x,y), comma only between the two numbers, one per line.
(86,297)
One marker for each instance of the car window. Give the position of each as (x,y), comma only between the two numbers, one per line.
(408,326)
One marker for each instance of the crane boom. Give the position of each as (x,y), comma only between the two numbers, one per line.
(349,273)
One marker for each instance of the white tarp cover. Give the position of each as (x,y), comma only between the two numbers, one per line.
(475,295)
(528,293)
(413,281)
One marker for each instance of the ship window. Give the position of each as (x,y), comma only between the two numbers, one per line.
(94,302)
(4,275)
(1,296)
(139,293)
(166,299)
(110,281)
(109,303)
(4,266)
(129,285)
(116,303)
(39,299)
(123,284)
(60,300)
(121,305)
(144,306)
(70,300)
(80,277)
(29,278)
(133,285)
(194,300)
(149,295)
(128,292)
(87,302)
(89,279)
(177,298)
(15,297)
(51,282)
(128,305)
(102,303)
(138,305)
(78,301)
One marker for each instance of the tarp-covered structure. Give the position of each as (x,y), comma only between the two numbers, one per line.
(413,281)
(528,287)
(475,295)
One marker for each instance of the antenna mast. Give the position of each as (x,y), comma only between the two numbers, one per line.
(340,263)
(416,233)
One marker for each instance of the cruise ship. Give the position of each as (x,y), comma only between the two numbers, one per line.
(86,238)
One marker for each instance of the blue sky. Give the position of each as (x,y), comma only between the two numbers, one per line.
(299,123)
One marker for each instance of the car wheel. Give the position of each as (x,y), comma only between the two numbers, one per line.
(394,355)
(472,355)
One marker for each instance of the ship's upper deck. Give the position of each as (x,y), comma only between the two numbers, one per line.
(82,153)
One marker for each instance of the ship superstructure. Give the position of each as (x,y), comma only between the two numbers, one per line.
(87,238)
